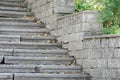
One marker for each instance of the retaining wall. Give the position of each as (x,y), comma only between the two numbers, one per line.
(82,35)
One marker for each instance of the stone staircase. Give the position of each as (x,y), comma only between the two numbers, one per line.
(28,51)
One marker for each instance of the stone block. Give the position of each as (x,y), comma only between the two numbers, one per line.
(90,63)
(107,53)
(93,53)
(102,63)
(117,53)
(104,43)
(114,63)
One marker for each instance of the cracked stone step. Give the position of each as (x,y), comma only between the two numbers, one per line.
(15,14)
(6,76)
(38,76)
(38,60)
(27,32)
(12,4)
(18,9)
(40,53)
(48,39)
(16,20)
(29,45)
(39,69)
(22,25)
(10,38)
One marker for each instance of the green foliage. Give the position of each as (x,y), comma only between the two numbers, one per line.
(81,5)
(110,13)
(111,30)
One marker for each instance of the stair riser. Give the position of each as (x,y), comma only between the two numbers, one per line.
(19,27)
(20,20)
(22,33)
(44,41)
(23,78)
(13,9)
(32,68)
(26,70)
(15,14)
(18,39)
(13,1)
(4,24)
(36,62)
(6,52)
(37,55)
(28,46)
(13,4)
(10,39)
(30,53)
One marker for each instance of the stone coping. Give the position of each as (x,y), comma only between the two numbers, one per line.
(102,36)
(77,13)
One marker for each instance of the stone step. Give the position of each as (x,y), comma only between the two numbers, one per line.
(12,4)
(17,20)
(27,32)
(10,38)
(22,25)
(58,69)
(38,76)
(12,1)
(17,68)
(48,39)
(38,60)
(17,9)
(33,53)
(41,53)
(29,45)
(18,38)
(6,52)
(6,76)
(40,69)
(13,14)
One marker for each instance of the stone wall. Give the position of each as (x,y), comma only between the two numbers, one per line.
(49,10)
(101,56)
(80,34)
(71,30)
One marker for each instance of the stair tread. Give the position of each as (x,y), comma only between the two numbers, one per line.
(38,75)
(32,24)
(51,67)
(5,8)
(9,36)
(41,51)
(17,19)
(12,4)
(39,37)
(38,58)
(29,43)
(24,30)
(12,0)
(13,12)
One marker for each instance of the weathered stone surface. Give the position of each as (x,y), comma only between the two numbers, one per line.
(10,38)
(30,76)
(38,60)
(6,76)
